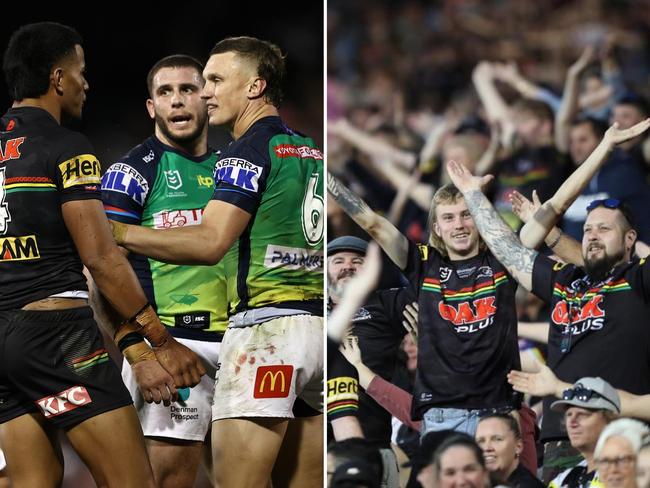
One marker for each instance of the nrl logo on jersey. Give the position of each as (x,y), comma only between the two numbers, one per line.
(173,179)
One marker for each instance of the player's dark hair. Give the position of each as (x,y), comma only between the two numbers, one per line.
(173,61)
(32,52)
(598,127)
(459,440)
(267,57)
(536,108)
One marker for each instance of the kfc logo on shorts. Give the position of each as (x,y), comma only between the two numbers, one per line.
(64,402)
(273,381)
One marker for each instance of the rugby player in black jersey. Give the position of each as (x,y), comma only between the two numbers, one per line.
(378,326)
(599,311)
(467,334)
(54,370)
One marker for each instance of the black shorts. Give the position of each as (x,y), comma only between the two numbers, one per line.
(55,363)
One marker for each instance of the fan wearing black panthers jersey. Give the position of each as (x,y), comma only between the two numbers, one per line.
(598,306)
(599,310)
(378,326)
(54,370)
(467,334)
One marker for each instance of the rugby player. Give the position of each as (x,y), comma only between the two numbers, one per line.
(268,210)
(55,372)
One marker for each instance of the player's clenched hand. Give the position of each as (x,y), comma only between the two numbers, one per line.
(182,363)
(155,384)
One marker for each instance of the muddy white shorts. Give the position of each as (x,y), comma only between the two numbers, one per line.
(272,369)
(189,419)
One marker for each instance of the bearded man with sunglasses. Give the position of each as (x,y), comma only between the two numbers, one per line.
(599,311)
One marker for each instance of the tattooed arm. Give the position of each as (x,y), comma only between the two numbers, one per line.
(503,243)
(391,240)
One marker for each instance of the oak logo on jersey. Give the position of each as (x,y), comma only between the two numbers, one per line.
(469,316)
(177,218)
(64,402)
(125,179)
(291,150)
(293,258)
(11,149)
(581,317)
(21,248)
(80,170)
(238,172)
(273,381)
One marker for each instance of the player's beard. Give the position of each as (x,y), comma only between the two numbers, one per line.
(598,269)
(336,288)
(186,138)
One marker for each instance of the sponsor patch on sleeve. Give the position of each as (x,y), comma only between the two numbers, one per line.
(125,179)
(292,150)
(83,169)
(342,395)
(238,172)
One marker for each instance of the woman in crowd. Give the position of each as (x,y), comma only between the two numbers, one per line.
(499,437)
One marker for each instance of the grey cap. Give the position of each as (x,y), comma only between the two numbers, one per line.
(604,396)
(347,243)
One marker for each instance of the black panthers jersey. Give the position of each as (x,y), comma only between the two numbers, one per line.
(42,166)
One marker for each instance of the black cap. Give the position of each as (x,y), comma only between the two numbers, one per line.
(358,472)
(347,243)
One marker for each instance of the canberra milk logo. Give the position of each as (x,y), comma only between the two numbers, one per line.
(238,172)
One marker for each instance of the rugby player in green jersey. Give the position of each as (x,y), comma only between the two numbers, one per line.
(162,183)
(266,221)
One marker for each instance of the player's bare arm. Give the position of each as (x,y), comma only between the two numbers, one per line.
(537,228)
(391,240)
(501,240)
(206,243)
(88,226)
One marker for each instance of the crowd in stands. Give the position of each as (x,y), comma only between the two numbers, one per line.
(531,93)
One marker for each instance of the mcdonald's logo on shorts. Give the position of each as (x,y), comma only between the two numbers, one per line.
(273,381)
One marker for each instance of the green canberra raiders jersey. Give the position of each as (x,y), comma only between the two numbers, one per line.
(276,175)
(157,186)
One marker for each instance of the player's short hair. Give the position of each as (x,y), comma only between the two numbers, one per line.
(446,195)
(268,60)
(32,52)
(598,127)
(537,109)
(173,61)
(635,100)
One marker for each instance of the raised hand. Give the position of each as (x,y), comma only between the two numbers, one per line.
(614,135)
(410,323)
(542,383)
(587,57)
(464,180)
(350,350)
(522,207)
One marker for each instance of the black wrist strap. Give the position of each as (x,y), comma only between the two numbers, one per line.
(128,340)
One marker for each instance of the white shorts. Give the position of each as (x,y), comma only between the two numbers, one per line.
(188,420)
(266,367)
(3,462)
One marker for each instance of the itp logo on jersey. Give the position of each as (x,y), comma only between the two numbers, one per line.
(238,172)
(122,178)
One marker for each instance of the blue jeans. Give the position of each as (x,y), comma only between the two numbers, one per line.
(458,419)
